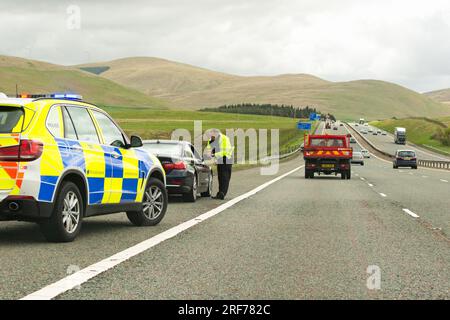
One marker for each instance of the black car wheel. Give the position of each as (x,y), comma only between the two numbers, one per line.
(191,196)
(208,192)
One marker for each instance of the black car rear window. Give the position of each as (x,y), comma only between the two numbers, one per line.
(11,119)
(166,149)
(406,154)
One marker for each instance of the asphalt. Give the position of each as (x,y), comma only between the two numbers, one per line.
(297,239)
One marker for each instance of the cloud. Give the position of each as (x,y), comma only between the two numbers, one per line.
(403,41)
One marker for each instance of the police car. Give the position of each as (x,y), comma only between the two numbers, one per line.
(62,160)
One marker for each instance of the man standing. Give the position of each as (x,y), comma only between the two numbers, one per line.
(221,149)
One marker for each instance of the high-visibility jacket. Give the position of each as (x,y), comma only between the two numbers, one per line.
(222,146)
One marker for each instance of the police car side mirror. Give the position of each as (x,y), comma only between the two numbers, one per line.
(135,142)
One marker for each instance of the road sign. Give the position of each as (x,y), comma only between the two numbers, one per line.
(304,126)
(312,116)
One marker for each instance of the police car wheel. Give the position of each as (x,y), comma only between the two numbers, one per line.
(208,193)
(66,219)
(154,205)
(191,196)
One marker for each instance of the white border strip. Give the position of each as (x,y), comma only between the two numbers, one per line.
(412,214)
(53,290)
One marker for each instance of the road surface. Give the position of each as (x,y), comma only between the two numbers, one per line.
(294,239)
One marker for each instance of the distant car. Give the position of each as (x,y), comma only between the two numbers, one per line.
(379,131)
(358,158)
(384,133)
(335,128)
(366,124)
(186,171)
(370,130)
(375,133)
(365,153)
(405,158)
(356,125)
(341,124)
(364,131)
(352,140)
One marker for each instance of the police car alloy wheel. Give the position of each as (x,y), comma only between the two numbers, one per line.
(153,202)
(154,205)
(66,219)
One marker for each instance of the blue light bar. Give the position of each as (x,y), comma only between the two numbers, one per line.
(68,96)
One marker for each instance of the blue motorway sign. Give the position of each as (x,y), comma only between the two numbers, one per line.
(312,116)
(304,126)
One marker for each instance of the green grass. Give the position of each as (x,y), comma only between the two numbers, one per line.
(154,124)
(418,130)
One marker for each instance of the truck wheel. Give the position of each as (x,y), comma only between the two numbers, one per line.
(343,175)
(65,221)
(348,175)
(306,174)
(154,205)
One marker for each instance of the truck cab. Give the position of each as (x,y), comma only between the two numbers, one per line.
(400,135)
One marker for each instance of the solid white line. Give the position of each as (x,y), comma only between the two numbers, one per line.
(412,214)
(424,177)
(76,279)
(383,195)
(444,180)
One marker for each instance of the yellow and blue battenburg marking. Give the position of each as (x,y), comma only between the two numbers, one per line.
(114,175)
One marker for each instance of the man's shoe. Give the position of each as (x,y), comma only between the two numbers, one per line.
(219,196)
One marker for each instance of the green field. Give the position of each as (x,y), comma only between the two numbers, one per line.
(154,124)
(419,130)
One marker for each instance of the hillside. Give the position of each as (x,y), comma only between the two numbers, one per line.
(40,77)
(191,87)
(440,95)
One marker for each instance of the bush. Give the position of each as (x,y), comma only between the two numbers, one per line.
(443,136)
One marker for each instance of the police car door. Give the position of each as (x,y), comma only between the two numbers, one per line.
(87,144)
(125,164)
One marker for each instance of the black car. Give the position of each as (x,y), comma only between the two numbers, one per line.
(186,171)
(405,158)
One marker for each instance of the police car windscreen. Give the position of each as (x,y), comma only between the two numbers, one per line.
(166,149)
(11,119)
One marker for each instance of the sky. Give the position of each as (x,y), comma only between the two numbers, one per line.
(402,41)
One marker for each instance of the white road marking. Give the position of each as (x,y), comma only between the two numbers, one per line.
(356,174)
(362,179)
(383,195)
(444,180)
(412,214)
(370,185)
(424,177)
(76,279)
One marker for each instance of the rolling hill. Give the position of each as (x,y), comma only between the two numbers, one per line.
(440,95)
(40,77)
(190,87)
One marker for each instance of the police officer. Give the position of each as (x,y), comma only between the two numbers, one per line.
(221,149)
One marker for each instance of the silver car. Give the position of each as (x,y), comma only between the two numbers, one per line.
(365,153)
(358,158)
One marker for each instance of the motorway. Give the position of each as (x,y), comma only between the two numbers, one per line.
(386,144)
(294,239)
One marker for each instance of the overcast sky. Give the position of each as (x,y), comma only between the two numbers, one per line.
(403,41)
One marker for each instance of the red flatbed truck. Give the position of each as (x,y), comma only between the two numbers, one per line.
(327,154)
